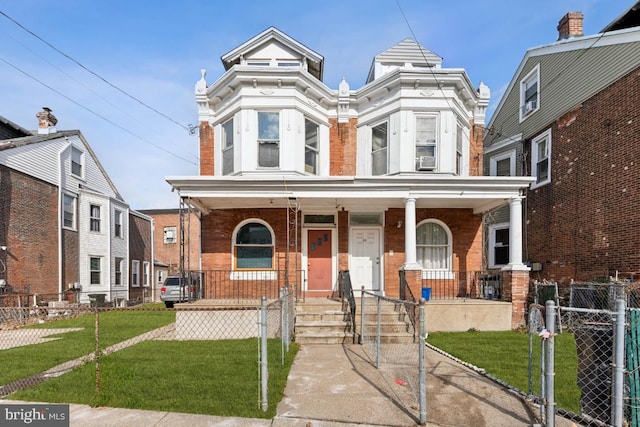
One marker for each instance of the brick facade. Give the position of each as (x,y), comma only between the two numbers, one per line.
(29,230)
(140,248)
(581,225)
(344,148)
(207,155)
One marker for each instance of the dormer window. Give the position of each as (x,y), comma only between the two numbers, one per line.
(268,139)
(426,142)
(77,161)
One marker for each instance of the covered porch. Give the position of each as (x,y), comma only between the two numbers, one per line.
(371,226)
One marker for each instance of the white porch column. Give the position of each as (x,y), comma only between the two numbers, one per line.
(515,235)
(410,262)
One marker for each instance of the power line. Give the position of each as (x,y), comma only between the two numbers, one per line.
(188,128)
(93,112)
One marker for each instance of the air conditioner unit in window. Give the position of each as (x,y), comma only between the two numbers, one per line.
(426,163)
(530,106)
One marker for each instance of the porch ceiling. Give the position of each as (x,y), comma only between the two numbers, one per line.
(351,193)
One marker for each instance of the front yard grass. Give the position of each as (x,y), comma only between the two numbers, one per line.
(201,377)
(505,355)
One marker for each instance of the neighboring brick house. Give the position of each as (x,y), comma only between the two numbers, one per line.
(569,118)
(64,228)
(166,243)
(141,255)
(295,175)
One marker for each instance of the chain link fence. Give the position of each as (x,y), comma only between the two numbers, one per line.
(396,345)
(37,343)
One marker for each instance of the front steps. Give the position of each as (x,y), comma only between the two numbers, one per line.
(325,321)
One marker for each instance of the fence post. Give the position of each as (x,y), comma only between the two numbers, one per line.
(549,364)
(421,363)
(618,392)
(362,315)
(263,352)
(97,357)
(378,332)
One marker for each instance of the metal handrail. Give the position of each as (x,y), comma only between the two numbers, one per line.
(407,295)
(345,290)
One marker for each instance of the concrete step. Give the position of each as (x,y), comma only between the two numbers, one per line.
(324,316)
(323,326)
(324,338)
(386,327)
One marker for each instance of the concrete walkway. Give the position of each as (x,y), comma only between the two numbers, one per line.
(337,386)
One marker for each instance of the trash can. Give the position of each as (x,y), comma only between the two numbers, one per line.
(426,294)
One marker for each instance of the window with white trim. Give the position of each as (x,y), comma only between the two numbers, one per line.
(117,223)
(227,147)
(118,271)
(540,155)
(379,149)
(426,142)
(498,245)
(95,270)
(503,164)
(459,148)
(170,235)
(311,131)
(268,139)
(253,246)
(530,93)
(135,273)
(77,162)
(145,273)
(94,218)
(69,211)
(433,245)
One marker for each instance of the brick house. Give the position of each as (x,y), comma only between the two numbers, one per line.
(166,243)
(297,176)
(569,118)
(65,231)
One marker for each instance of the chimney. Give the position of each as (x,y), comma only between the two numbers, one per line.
(570,26)
(46,122)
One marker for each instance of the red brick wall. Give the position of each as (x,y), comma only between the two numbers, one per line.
(70,257)
(140,249)
(582,225)
(476,149)
(169,253)
(206,149)
(29,229)
(343,147)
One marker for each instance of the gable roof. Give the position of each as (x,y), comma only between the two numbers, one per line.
(9,129)
(628,19)
(315,61)
(408,51)
(571,71)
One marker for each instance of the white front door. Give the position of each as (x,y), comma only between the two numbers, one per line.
(365,259)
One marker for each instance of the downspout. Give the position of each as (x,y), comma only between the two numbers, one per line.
(59,212)
(152,279)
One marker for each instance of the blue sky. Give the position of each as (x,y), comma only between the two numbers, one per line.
(154,51)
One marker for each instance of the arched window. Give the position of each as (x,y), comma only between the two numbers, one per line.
(433,245)
(253,246)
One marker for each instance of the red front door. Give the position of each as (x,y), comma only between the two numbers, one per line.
(319,260)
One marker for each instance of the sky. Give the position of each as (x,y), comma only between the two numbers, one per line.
(123,72)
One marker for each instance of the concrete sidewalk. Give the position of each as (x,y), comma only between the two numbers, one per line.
(337,386)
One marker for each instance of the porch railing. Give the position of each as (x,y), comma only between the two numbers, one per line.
(449,285)
(238,285)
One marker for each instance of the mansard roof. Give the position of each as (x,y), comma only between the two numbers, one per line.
(406,53)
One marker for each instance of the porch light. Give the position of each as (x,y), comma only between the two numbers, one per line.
(399,224)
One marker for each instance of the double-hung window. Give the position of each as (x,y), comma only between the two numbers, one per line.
(503,164)
(170,234)
(227,147)
(268,139)
(118,270)
(117,223)
(95,270)
(69,211)
(77,161)
(379,149)
(530,93)
(94,218)
(253,247)
(310,147)
(540,154)
(459,148)
(135,273)
(498,245)
(426,142)
(146,266)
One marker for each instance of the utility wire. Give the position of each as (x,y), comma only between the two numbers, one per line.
(93,112)
(188,128)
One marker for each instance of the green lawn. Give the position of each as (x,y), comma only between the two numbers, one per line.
(201,377)
(204,377)
(505,355)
